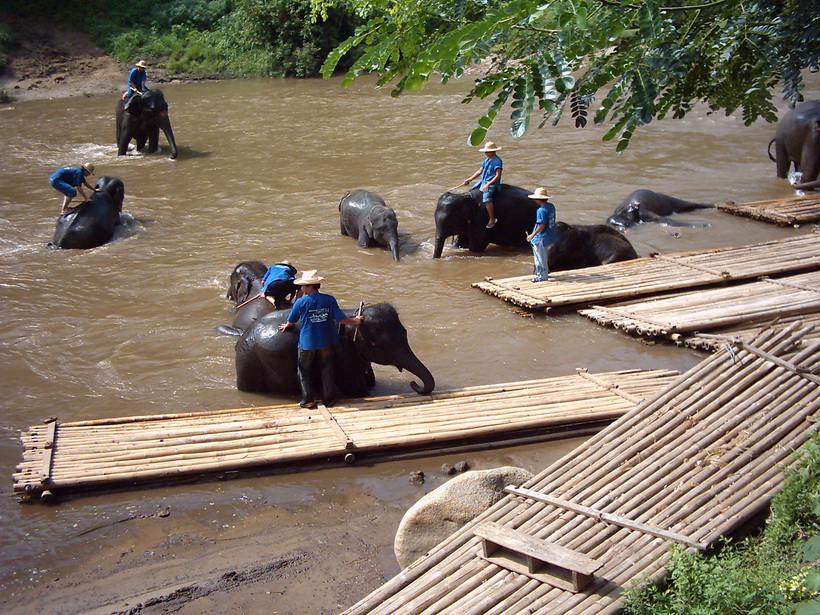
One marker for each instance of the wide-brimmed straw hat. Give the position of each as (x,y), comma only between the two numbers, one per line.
(141,64)
(88,166)
(489,146)
(540,193)
(308,277)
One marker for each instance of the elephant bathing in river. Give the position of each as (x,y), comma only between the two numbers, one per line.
(266,356)
(650,206)
(797,141)
(92,223)
(581,246)
(246,282)
(140,118)
(364,216)
(464,216)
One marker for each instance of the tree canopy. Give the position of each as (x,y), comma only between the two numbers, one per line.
(624,62)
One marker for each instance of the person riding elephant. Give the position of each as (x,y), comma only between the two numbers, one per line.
(93,222)
(266,357)
(364,216)
(649,206)
(247,289)
(463,216)
(140,118)
(797,141)
(578,246)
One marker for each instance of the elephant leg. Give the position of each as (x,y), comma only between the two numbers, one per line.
(810,161)
(140,139)
(123,139)
(153,140)
(782,159)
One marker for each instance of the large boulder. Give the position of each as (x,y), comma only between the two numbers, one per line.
(446,509)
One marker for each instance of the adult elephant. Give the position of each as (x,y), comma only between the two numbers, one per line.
(797,141)
(140,118)
(266,357)
(581,246)
(464,216)
(651,206)
(246,283)
(92,223)
(364,216)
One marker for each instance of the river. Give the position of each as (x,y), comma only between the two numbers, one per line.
(129,328)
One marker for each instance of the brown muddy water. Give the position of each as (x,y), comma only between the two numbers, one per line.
(128,328)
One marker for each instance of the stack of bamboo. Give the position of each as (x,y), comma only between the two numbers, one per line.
(657,274)
(783,212)
(719,337)
(707,309)
(86,454)
(697,461)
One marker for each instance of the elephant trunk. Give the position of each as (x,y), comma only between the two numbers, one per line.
(393,244)
(439,245)
(413,365)
(165,124)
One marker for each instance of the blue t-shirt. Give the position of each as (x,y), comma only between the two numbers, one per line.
(319,314)
(277,272)
(136,79)
(545,215)
(73,176)
(488,168)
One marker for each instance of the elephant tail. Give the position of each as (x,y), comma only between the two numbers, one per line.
(769,149)
(346,194)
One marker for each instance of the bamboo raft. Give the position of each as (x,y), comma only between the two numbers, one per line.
(698,461)
(704,310)
(783,212)
(657,274)
(719,337)
(83,455)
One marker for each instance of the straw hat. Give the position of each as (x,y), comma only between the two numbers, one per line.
(88,166)
(141,64)
(286,263)
(540,194)
(489,146)
(308,278)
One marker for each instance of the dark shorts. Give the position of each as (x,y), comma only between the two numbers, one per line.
(61,186)
(280,289)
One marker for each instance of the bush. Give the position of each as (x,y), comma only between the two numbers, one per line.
(763,575)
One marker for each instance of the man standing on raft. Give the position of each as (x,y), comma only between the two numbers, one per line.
(319,314)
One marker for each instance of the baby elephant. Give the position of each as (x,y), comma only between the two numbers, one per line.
(364,216)
(650,206)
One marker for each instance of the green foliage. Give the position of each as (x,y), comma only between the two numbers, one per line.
(206,37)
(645,59)
(776,573)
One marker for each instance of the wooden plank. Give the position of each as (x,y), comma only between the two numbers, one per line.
(334,425)
(608,517)
(48,451)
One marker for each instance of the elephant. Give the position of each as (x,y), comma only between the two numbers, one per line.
(266,357)
(140,118)
(581,246)
(797,140)
(464,216)
(364,216)
(92,223)
(650,206)
(245,283)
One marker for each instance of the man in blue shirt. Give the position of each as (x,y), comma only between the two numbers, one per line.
(319,314)
(136,80)
(543,234)
(277,284)
(69,180)
(489,181)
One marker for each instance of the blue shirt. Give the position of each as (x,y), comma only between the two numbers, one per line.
(277,272)
(319,314)
(545,215)
(488,168)
(73,176)
(136,79)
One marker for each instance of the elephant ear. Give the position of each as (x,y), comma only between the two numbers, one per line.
(243,289)
(368,227)
(134,105)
